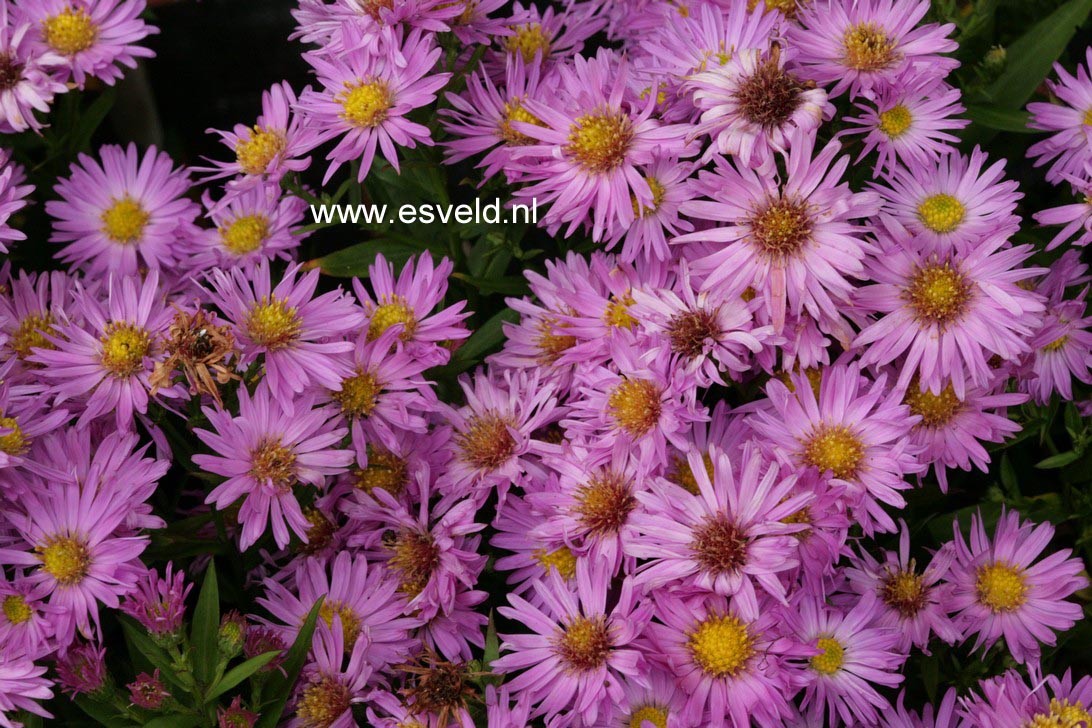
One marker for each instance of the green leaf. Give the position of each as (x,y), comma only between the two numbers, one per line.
(206,627)
(998,119)
(139,640)
(1058,461)
(90,119)
(354,260)
(488,336)
(508,285)
(239,673)
(174,720)
(281,685)
(492,644)
(102,712)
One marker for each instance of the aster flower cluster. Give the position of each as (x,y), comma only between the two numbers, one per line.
(667,485)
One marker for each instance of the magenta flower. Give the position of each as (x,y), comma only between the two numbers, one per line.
(82,669)
(1075,218)
(159,604)
(999,591)
(1061,351)
(29,84)
(273,446)
(1069,148)
(541,37)
(27,622)
(531,556)
(13,194)
(22,685)
(331,685)
(646,238)
(253,224)
(34,303)
(1008,700)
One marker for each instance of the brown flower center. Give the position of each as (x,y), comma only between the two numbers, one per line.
(781,228)
(604,503)
(486,443)
(719,546)
(584,644)
(938,294)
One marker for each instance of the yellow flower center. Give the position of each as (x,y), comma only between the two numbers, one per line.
(365,105)
(69,32)
(385,470)
(414,556)
(895,121)
(938,293)
(124,221)
(635,406)
(835,448)
(830,660)
(66,559)
(273,324)
(781,228)
(1057,343)
(550,343)
(485,443)
(528,40)
(941,213)
(1087,121)
(599,142)
(245,234)
(359,394)
(680,474)
(721,645)
(320,531)
(562,559)
(654,714)
(604,503)
(1000,587)
(16,609)
(15,442)
(323,702)
(584,644)
(904,591)
(30,335)
(397,311)
(617,315)
(256,153)
(272,462)
(936,410)
(866,47)
(1062,714)
(124,347)
(658,192)
(350,622)
(514,111)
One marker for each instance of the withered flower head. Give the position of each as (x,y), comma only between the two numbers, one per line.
(200,348)
(438,687)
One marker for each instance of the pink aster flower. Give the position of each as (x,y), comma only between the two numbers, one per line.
(1007,699)
(1061,352)
(1069,148)
(541,37)
(278,143)
(13,194)
(27,622)
(646,239)
(952,204)
(584,159)
(366,96)
(273,446)
(853,654)
(946,315)
(728,538)
(335,679)
(104,363)
(867,45)
(250,225)
(28,82)
(578,651)
(93,37)
(853,432)
(23,686)
(34,303)
(529,556)
(939,716)
(999,591)
(793,240)
(122,214)
(81,670)
(23,419)
(298,335)
(1075,219)
(159,604)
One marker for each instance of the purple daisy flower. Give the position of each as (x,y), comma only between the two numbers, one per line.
(330,684)
(250,225)
(792,240)
(1008,700)
(93,37)
(1075,219)
(366,96)
(578,651)
(27,622)
(123,214)
(1061,351)
(159,604)
(22,685)
(28,81)
(646,239)
(729,538)
(946,315)
(999,591)
(273,446)
(653,698)
(865,46)
(34,303)
(540,37)
(531,557)
(13,194)
(299,336)
(24,419)
(1069,148)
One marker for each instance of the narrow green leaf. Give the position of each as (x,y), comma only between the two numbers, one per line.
(992,117)
(206,627)
(138,638)
(354,260)
(102,712)
(239,673)
(1058,461)
(508,285)
(488,336)
(174,720)
(492,644)
(281,686)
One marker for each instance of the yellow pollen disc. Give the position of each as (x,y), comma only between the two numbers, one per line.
(904,591)
(1063,714)
(365,105)
(604,503)
(801,516)
(16,609)
(66,559)
(528,40)
(1000,587)
(550,343)
(486,442)
(256,153)
(599,142)
(938,293)
(385,470)
(895,121)
(680,474)
(584,644)
(272,323)
(654,714)
(721,646)
(414,556)
(322,703)
(617,315)
(397,311)
(359,394)
(514,111)
(69,32)
(788,7)
(835,448)
(1087,121)
(658,193)
(245,234)
(866,48)
(941,213)
(635,406)
(272,462)
(936,410)
(15,442)
(30,335)
(320,531)
(782,228)
(124,221)
(562,559)
(830,661)
(1057,343)
(124,347)
(350,622)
